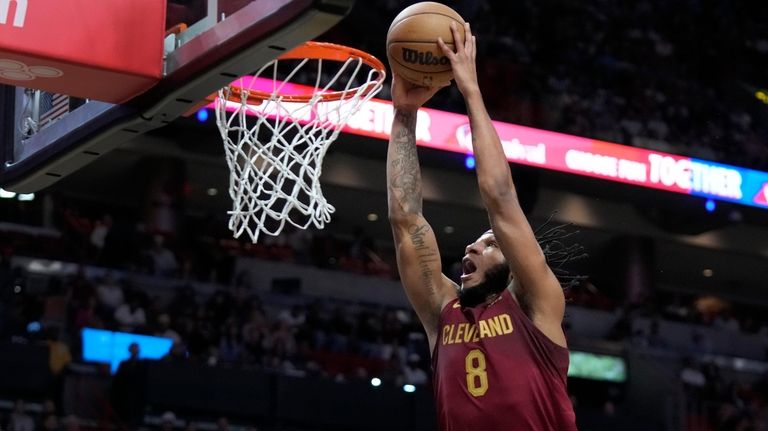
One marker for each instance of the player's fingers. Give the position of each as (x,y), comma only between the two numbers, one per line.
(473,47)
(408,86)
(458,40)
(400,85)
(445,48)
(467,37)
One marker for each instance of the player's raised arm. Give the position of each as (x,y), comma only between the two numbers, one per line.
(534,285)
(418,258)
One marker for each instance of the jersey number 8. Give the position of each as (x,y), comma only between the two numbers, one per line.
(477,378)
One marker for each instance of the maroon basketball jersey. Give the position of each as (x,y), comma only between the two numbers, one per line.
(494,370)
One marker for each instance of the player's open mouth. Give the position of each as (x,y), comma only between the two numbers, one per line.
(467,266)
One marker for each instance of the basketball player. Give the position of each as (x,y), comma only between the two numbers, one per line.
(499,354)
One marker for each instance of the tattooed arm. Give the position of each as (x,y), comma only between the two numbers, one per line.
(418,258)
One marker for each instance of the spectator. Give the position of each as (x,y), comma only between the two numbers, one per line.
(692,377)
(222,424)
(59,358)
(655,339)
(412,373)
(164,328)
(48,419)
(255,335)
(231,345)
(340,330)
(177,354)
(99,234)
(110,294)
(50,423)
(20,420)
(128,387)
(282,341)
(300,241)
(48,407)
(131,315)
(167,421)
(294,317)
(726,321)
(219,306)
(184,302)
(700,343)
(163,260)
(59,354)
(71,423)
(85,315)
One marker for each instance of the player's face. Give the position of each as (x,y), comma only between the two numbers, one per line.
(480,257)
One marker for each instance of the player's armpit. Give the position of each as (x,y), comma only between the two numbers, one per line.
(535,285)
(418,261)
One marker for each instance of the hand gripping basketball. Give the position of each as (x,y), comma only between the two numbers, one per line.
(463,60)
(412,48)
(409,96)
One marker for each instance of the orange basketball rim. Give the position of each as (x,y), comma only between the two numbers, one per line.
(318,51)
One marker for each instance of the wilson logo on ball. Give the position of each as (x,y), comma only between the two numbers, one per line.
(413,56)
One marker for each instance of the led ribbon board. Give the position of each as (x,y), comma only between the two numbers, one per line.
(556,151)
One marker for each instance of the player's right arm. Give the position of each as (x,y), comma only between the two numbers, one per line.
(418,258)
(534,284)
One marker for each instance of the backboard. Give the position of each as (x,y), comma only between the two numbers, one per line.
(46,136)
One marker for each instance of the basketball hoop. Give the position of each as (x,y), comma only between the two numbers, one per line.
(277,129)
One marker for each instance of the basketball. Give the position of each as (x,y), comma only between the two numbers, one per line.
(412,48)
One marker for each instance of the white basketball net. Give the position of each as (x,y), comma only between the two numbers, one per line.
(275,150)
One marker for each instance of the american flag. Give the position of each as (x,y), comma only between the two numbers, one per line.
(52,106)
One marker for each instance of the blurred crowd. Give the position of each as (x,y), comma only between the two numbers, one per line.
(677,76)
(199,248)
(230,327)
(717,402)
(233,327)
(721,390)
(46,416)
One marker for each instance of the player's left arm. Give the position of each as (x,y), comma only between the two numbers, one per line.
(535,285)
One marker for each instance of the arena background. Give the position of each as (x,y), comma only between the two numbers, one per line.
(311,331)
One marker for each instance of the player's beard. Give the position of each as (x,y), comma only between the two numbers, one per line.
(496,280)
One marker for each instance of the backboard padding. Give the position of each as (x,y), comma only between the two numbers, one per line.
(258,32)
